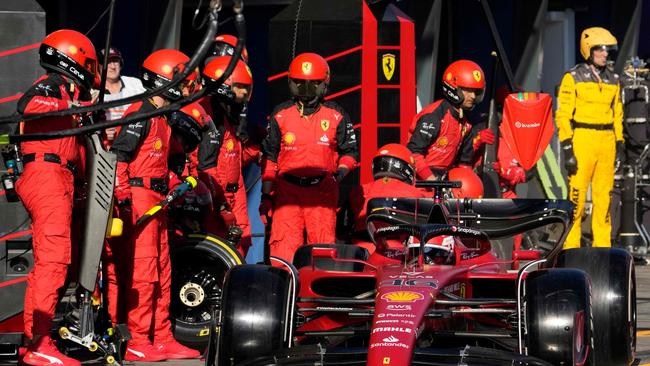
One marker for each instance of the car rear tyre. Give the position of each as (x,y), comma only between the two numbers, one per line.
(255,313)
(613,293)
(557,313)
(199,266)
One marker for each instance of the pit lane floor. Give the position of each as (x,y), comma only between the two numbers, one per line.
(643,325)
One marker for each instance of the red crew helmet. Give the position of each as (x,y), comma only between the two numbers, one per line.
(472,185)
(309,76)
(241,75)
(72,54)
(159,68)
(224,45)
(188,125)
(463,74)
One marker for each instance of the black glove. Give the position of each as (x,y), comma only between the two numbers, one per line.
(620,154)
(570,162)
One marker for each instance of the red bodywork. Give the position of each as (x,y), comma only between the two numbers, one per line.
(527,126)
(404,296)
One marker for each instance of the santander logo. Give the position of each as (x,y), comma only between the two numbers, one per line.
(527,125)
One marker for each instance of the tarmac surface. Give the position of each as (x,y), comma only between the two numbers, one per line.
(643,325)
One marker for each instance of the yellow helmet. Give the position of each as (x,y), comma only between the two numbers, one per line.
(595,36)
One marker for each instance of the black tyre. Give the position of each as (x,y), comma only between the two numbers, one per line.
(557,315)
(199,266)
(254,314)
(613,292)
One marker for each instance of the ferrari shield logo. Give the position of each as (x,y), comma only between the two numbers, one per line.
(306,67)
(388,65)
(324,124)
(477,75)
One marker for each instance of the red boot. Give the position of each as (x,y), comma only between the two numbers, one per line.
(44,352)
(175,350)
(145,353)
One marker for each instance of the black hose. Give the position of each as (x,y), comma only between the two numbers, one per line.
(194,62)
(199,55)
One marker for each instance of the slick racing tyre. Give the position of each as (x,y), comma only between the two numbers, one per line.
(199,266)
(255,313)
(557,315)
(613,293)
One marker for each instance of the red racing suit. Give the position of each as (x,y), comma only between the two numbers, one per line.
(142,150)
(440,138)
(219,161)
(302,153)
(46,189)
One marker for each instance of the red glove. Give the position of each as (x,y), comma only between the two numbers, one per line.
(266,207)
(485,136)
(122,187)
(514,175)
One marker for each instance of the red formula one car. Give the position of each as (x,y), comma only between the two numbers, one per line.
(435,292)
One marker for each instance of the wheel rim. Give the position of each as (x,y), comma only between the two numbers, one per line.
(196,286)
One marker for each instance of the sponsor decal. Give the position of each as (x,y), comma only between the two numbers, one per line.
(390,344)
(324,139)
(49,51)
(477,75)
(157,144)
(402,296)
(399,307)
(386,361)
(468,255)
(442,141)
(230,145)
(396,315)
(390,339)
(519,124)
(289,138)
(324,124)
(386,321)
(388,65)
(464,230)
(461,293)
(392,329)
(448,76)
(306,67)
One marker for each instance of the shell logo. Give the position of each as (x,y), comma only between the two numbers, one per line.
(443,141)
(157,145)
(167,69)
(218,73)
(72,50)
(289,138)
(230,144)
(477,75)
(402,296)
(449,76)
(196,113)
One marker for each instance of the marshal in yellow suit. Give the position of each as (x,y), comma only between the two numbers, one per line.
(589,120)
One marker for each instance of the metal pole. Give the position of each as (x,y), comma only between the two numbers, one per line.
(107,50)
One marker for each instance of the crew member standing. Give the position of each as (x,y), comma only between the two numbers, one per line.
(441,132)
(142,150)
(310,147)
(220,155)
(589,120)
(47,184)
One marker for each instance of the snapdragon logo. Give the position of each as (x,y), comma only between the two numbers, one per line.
(519,124)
